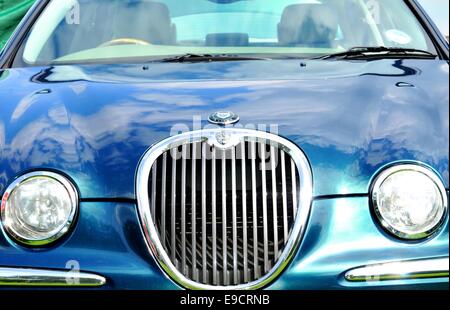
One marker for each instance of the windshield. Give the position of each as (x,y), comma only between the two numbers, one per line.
(114,31)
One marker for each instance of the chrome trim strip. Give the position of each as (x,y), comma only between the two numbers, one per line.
(214,217)
(71,191)
(194,213)
(183,209)
(204,271)
(46,278)
(274,201)
(163,200)
(244,212)
(264,207)
(149,229)
(234,214)
(401,270)
(255,213)
(224,219)
(173,202)
(154,171)
(294,187)
(284,196)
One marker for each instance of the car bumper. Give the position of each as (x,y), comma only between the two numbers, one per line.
(341,240)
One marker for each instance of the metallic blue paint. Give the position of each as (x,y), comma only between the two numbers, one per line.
(94,122)
(341,235)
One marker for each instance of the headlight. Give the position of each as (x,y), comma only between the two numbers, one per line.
(39,208)
(409,200)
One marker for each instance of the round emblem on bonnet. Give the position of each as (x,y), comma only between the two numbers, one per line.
(223,118)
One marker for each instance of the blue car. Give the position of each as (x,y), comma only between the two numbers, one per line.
(225,144)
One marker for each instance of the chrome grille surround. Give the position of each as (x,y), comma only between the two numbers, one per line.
(215,137)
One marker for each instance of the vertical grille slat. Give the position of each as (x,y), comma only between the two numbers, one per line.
(234,214)
(264,206)
(255,212)
(183,209)
(163,200)
(284,195)
(194,212)
(214,217)
(244,212)
(173,202)
(224,215)
(204,242)
(224,220)
(294,187)
(274,200)
(154,172)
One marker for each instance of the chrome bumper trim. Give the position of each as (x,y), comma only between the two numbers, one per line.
(401,270)
(41,277)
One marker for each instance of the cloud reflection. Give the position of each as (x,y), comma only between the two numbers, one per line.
(99,120)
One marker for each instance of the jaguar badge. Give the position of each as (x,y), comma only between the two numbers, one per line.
(223,118)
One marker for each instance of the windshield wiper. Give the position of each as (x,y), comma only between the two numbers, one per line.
(208,58)
(379,52)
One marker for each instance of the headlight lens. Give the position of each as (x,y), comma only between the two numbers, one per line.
(39,208)
(409,200)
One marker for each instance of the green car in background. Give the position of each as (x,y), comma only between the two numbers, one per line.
(11,12)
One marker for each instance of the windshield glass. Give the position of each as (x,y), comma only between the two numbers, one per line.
(83,31)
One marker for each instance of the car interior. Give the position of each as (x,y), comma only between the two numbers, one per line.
(134,29)
(149,22)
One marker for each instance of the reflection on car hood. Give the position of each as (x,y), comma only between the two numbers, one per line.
(94,122)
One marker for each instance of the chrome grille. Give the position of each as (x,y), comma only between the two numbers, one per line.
(220,213)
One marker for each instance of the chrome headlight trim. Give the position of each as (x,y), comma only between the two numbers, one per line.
(71,191)
(148,227)
(388,171)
